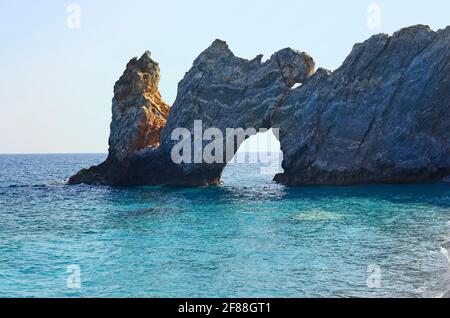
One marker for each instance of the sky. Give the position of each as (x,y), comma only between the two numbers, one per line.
(57,75)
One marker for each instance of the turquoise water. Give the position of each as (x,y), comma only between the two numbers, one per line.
(247,238)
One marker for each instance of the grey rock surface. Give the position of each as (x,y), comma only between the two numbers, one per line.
(382,117)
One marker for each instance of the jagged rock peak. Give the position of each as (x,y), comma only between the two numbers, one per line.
(413,29)
(214,53)
(220,44)
(295,66)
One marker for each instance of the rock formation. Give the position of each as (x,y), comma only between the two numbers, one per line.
(243,94)
(138,116)
(381,117)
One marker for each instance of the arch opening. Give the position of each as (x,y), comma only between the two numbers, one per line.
(257,160)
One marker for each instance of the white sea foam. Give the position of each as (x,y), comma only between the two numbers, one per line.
(444,252)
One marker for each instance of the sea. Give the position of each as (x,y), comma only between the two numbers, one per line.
(249,237)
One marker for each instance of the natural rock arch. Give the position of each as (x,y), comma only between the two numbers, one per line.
(378,118)
(243,94)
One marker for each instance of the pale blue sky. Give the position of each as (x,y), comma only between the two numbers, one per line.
(56,83)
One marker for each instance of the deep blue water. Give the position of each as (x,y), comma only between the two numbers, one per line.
(249,237)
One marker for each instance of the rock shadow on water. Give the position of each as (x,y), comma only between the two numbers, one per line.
(429,193)
(139,220)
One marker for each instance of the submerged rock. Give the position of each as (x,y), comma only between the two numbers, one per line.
(381,117)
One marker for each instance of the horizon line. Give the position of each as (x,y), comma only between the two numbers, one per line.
(100,153)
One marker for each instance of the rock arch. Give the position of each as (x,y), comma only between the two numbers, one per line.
(220,90)
(381,117)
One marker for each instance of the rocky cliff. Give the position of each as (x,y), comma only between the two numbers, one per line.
(383,116)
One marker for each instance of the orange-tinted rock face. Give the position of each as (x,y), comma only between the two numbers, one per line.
(138,111)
